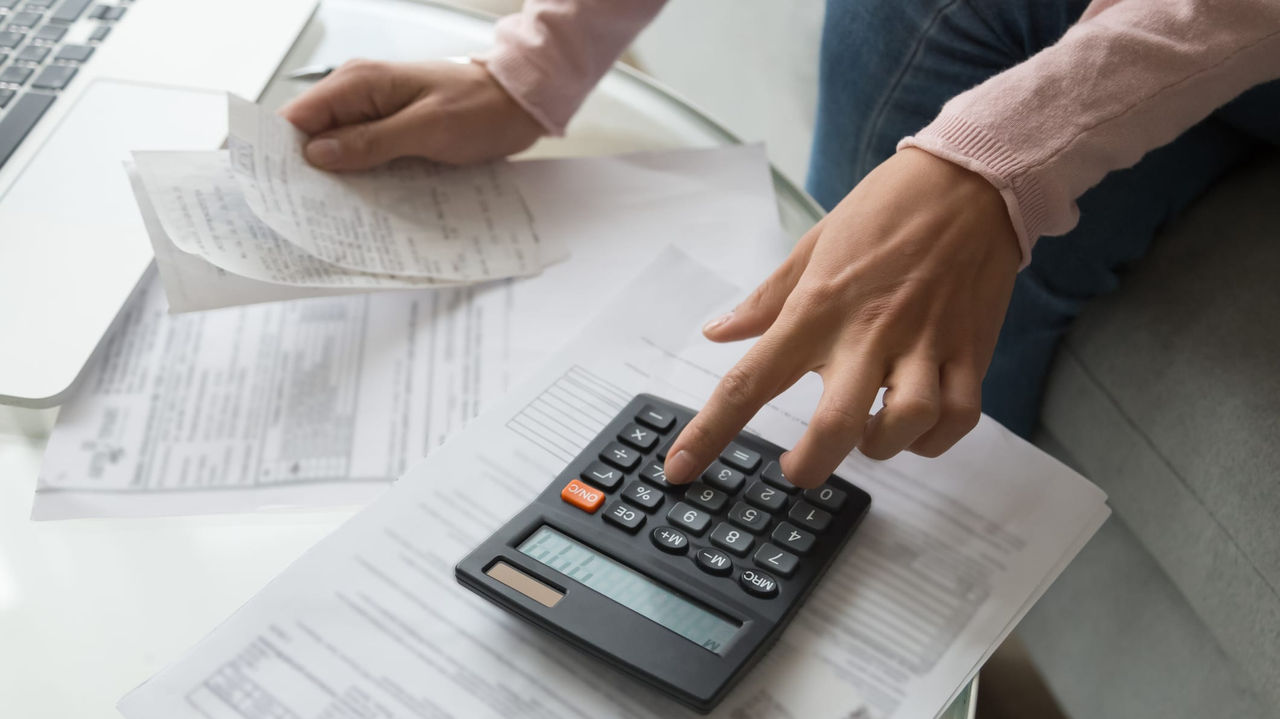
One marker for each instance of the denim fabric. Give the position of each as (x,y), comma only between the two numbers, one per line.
(887,67)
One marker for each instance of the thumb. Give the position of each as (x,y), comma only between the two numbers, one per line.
(758,311)
(361,146)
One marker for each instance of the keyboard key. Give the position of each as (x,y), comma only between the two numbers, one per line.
(74,53)
(50,33)
(602,476)
(791,537)
(582,495)
(54,77)
(5,97)
(8,4)
(749,518)
(689,517)
(15,74)
(623,516)
(642,495)
(710,499)
(24,19)
(621,457)
(107,12)
(758,584)
(718,475)
(713,561)
(770,499)
(729,537)
(776,560)
(735,455)
(809,516)
(3,57)
(638,437)
(654,474)
(69,11)
(829,498)
(99,33)
(772,474)
(656,417)
(10,40)
(38,4)
(32,53)
(671,541)
(19,119)
(666,447)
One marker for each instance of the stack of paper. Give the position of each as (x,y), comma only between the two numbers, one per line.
(261,214)
(371,622)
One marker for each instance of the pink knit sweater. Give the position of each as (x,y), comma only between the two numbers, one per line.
(1130,76)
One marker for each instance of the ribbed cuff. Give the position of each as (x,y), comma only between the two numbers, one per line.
(957,140)
(524,82)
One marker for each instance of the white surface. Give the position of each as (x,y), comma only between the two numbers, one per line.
(951,553)
(71,241)
(324,401)
(90,608)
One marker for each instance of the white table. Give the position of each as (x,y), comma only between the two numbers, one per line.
(91,608)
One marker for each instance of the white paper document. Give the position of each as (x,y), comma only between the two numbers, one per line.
(181,414)
(371,622)
(407,217)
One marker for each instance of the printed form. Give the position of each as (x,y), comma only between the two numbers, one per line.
(182,414)
(371,622)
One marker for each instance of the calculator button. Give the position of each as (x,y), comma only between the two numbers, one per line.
(829,498)
(792,537)
(642,495)
(735,455)
(809,516)
(666,447)
(582,495)
(758,583)
(656,417)
(601,475)
(714,561)
(653,473)
(709,498)
(691,518)
(671,541)
(777,560)
(772,473)
(718,475)
(770,499)
(623,516)
(749,518)
(727,536)
(639,437)
(621,457)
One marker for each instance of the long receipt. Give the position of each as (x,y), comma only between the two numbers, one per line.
(370,622)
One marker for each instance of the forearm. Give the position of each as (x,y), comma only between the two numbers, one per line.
(553,52)
(1129,77)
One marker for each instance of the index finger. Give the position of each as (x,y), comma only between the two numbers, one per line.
(762,373)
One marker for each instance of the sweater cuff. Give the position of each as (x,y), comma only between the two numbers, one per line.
(955,139)
(523,81)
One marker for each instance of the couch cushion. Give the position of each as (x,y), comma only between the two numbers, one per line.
(1167,395)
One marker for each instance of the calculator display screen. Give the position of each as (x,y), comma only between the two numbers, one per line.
(630,589)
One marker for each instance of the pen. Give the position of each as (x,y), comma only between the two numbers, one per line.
(312,73)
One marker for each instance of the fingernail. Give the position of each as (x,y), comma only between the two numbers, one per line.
(717,322)
(324,152)
(680,467)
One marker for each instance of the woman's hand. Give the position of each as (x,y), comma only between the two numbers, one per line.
(903,285)
(366,113)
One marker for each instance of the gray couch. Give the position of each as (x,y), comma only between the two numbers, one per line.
(1167,395)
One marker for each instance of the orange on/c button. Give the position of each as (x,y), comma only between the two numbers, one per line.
(582,496)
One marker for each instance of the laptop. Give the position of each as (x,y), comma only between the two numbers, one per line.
(83,84)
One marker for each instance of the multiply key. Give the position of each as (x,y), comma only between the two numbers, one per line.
(638,437)
(621,457)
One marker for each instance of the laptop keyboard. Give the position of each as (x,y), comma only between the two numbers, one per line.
(43,43)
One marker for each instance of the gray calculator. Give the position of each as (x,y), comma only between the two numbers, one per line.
(682,587)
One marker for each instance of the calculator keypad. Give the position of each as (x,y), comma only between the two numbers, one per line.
(751,522)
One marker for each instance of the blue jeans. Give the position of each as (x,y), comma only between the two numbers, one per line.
(887,68)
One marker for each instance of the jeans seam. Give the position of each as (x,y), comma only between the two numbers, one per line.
(877,118)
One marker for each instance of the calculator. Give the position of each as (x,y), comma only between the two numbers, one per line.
(684,587)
